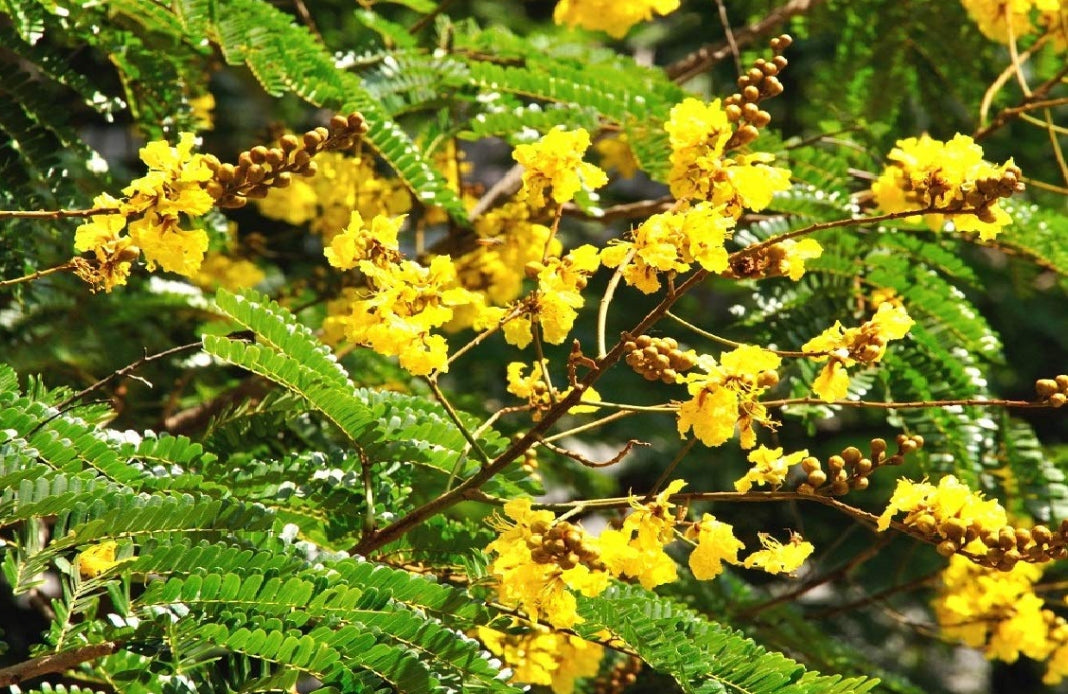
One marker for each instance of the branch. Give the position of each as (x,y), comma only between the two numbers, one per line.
(708,55)
(1035,100)
(65,267)
(54,662)
(57,214)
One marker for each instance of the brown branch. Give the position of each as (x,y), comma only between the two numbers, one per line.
(54,662)
(911,405)
(708,55)
(65,267)
(629,210)
(197,417)
(583,460)
(57,214)
(1037,96)
(879,596)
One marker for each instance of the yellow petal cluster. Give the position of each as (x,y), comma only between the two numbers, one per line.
(1000,613)
(542,589)
(769,467)
(543,656)
(616,154)
(342,185)
(173,186)
(925,504)
(610,16)
(553,167)
(535,390)
(557,298)
(376,244)
(1006,20)
(726,395)
(220,270)
(97,559)
(778,558)
(698,134)
(926,172)
(716,544)
(637,549)
(842,347)
(670,242)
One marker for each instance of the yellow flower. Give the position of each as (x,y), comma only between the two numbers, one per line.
(637,549)
(220,270)
(925,172)
(403,303)
(173,184)
(1001,19)
(616,154)
(770,467)
(716,544)
(726,396)
(377,244)
(534,389)
(615,18)
(671,242)
(554,164)
(542,656)
(530,577)
(930,507)
(97,559)
(842,347)
(778,558)
(789,256)
(698,134)
(557,298)
(172,248)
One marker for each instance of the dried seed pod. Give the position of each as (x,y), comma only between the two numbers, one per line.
(947,548)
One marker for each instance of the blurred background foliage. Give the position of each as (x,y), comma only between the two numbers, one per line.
(862,75)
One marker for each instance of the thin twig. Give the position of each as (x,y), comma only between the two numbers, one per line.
(708,55)
(729,34)
(57,214)
(54,662)
(451,412)
(606,300)
(910,405)
(669,470)
(65,267)
(876,597)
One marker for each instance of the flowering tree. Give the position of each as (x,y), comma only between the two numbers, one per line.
(573,353)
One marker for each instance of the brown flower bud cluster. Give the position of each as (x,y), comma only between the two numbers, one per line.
(261,168)
(976,196)
(563,544)
(851,469)
(1006,546)
(619,677)
(758,83)
(1052,391)
(658,358)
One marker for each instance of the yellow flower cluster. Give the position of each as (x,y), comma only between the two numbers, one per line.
(671,242)
(342,185)
(613,17)
(726,395)
(778,558)
(557,299)
(173,186)
(950,511)
(716,544)
(699,134)
(542,656)
(925,172)
(1000,613)
(553,168)
(637,549)
(535,390)
(769,467)
(616,154)
(403,301)
(97,559)
(1007,20)
(220,270)
(531,578)
(845,347)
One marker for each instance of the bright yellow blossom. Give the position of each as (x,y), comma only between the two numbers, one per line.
(698,134)
(637,549)
(778,558)
(769,467)
(726,395)
(790,256)
(671,242)
(376,243)
(716,544)
(97,559)
(1005,20)
(842,347)
(553,165)
(162,242)
(534,389)
(220,270)
(545,657)
(613,17)
(616,154)
(557,298)
(925,172)
(541,589)
(932,506)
